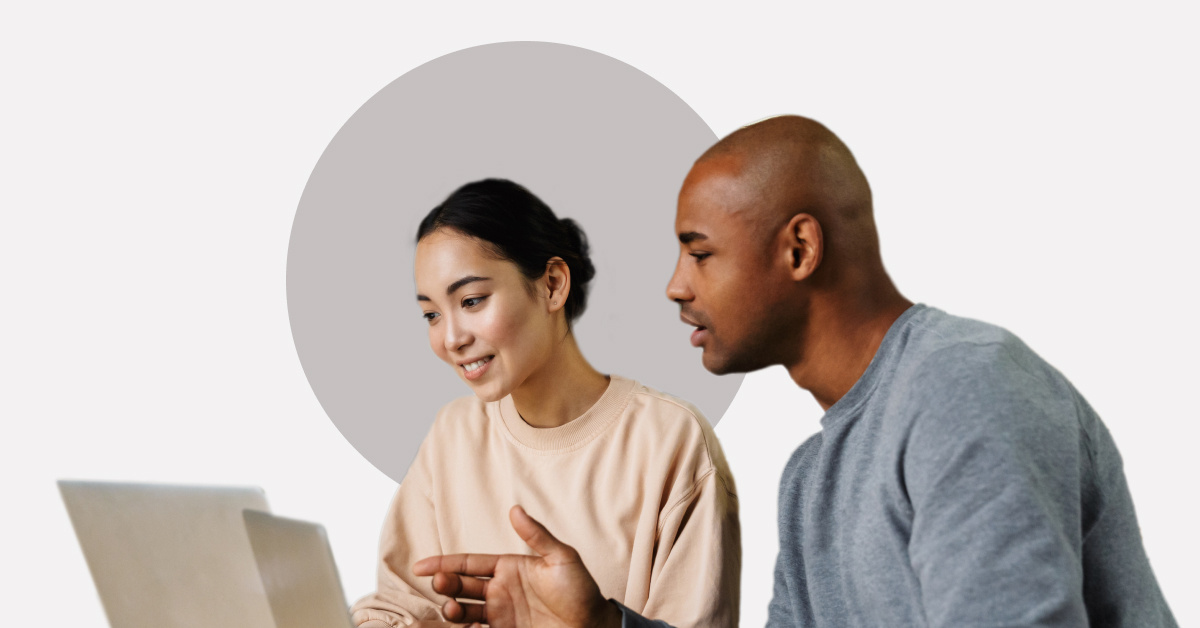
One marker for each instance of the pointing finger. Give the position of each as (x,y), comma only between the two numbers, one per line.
(468,564)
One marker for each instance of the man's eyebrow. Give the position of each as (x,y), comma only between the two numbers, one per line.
(688,237)
(456,285)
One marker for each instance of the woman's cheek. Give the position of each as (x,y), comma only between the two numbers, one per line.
(505,325)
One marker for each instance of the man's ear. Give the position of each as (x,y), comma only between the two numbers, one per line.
(557,283)
(805,245)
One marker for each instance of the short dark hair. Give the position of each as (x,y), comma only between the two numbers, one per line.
(519,228)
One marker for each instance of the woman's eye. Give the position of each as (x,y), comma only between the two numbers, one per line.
(430,317)
(699,256)
(472,301)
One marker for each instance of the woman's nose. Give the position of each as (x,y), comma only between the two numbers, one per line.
(457,335)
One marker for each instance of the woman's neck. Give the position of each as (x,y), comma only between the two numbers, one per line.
(561,390)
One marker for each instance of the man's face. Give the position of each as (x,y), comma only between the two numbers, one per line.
(724,281)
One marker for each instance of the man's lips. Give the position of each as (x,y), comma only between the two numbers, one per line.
(701,334)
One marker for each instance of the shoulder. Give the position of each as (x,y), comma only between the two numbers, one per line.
(460,418)
(679,433)
(804,455)
(799,467)
(975,378)
(669,417)
(960,359)
(460,425)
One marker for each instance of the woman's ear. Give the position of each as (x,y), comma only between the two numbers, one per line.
(557,283)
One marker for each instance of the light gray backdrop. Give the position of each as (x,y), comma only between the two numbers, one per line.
(596,139)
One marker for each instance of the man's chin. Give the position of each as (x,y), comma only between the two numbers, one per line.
(714,363)
(723,364)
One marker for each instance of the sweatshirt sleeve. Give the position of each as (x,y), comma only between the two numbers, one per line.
(409,534)
(992,469)
(630,619)
(696,576)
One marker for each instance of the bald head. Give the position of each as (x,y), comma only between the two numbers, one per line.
(778,257)
(789,165)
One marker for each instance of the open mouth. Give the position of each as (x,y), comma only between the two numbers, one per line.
(700,334)
(476,369)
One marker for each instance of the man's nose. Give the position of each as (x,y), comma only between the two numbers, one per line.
(677,288)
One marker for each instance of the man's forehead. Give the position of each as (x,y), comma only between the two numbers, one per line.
(714,192)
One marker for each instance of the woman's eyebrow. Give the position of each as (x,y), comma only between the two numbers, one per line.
(452,288)
(456,285)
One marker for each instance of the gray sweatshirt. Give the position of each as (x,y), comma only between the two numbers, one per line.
(961,482)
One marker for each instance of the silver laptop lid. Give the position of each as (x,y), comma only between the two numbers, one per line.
(167,556)
(298,572)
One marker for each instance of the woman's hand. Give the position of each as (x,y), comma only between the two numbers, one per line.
(550,590)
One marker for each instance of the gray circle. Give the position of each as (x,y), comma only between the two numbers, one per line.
(595,138)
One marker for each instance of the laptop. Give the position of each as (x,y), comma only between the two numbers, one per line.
(166,556)
(298,572)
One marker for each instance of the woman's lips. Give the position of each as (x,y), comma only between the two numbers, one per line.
(479,370)
(699,336)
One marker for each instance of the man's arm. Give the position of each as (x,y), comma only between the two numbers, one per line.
(992,468)
(779,612)
(630,619)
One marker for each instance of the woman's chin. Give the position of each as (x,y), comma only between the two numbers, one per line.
(488,392)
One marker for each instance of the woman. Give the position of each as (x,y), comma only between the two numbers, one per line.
(632,478)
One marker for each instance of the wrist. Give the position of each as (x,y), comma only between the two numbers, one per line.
(606,614)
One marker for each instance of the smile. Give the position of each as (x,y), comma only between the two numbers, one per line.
(476,369)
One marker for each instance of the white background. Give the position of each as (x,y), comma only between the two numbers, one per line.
(1033,165)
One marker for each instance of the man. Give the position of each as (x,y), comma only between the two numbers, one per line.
(958,479)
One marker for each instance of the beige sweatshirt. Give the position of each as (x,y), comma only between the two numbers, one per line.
(638,485)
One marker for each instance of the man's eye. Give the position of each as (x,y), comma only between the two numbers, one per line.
(472,301)
(699,256)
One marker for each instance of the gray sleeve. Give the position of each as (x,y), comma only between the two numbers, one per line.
(789,600)
(630,619)
(992,468)
(1120,587)
(779,613)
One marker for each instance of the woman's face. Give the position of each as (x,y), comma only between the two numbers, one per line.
(482,319)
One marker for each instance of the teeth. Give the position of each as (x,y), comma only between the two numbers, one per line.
(475,365)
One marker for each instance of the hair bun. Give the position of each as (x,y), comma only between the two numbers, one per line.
(578,243)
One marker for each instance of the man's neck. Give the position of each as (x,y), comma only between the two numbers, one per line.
(842,337)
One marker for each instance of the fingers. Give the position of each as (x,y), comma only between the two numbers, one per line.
(468,564)
(454,585)
(537,537)
(464,613)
